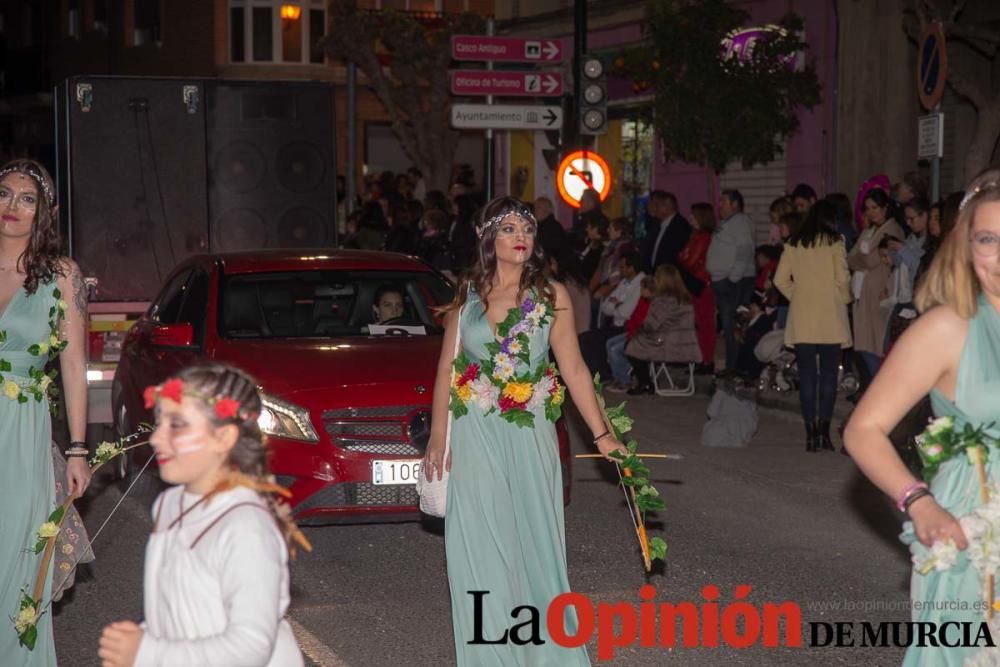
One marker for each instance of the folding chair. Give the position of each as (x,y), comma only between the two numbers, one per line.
(666,386)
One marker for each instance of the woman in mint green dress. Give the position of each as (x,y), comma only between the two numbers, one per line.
(42,315)
(952,352)
(504,531)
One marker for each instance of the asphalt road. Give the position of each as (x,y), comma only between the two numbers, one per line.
(795,526)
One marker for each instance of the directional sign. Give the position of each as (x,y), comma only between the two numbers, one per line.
(932,66)
(579,171)
(487,82)
(508,49)
(505,117)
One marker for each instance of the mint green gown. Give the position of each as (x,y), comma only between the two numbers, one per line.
(956,489)
(504,530)
(27,488)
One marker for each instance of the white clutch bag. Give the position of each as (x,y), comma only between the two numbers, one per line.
(434,494)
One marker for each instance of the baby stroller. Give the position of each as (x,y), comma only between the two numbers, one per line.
(781,372)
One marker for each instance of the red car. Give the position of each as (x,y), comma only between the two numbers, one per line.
(346,404)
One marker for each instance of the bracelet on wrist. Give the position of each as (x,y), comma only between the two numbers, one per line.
(907,492)
(914,497)
(601,436)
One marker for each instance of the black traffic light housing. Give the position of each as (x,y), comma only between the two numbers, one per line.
(593,96)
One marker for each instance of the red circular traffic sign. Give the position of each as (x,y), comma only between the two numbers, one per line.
(582,170)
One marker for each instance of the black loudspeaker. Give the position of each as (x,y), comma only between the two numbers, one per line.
(151,171)
(271,176)
(131,170)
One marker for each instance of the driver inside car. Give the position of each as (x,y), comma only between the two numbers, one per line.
(388,304)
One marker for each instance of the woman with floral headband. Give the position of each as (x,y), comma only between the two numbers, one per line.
(43,313)
(216,576)
(953,353)
(504,529)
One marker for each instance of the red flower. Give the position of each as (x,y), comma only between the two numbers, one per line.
(507,403)
(172,389)
(471,371)
(149,396)
(226,408)
(549,371)
(555,388)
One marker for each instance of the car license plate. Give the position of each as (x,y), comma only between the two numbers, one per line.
(399,471)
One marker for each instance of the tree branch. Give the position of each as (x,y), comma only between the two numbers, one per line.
(965,88)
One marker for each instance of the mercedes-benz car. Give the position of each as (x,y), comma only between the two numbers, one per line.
(346,399)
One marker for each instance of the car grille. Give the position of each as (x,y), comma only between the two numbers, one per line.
(360,494)
(387,430)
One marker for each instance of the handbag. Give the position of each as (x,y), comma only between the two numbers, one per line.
(434,494)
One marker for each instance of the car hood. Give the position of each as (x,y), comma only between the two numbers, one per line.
(289,367)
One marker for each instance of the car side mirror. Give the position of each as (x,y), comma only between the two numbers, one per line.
(173,335)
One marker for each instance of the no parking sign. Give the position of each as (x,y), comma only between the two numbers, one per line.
(580,171)
(932,66)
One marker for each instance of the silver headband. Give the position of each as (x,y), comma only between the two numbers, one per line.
(978,190)
(37,177)
(522,212)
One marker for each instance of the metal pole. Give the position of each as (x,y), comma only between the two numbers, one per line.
(579,49)
(488,148)
(936,168)
(350,174)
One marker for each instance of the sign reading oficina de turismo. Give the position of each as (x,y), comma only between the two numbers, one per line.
(491,82)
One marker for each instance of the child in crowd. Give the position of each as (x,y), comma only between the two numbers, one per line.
(620,368)
(900,287)
(216,574)
(760,319)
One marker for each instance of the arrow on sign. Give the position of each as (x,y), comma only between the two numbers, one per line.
(550,117)
(551,83)
(550,50)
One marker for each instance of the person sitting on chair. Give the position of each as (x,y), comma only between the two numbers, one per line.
(667,334)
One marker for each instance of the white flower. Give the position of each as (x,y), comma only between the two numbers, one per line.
(542,389)
(514,347)
(538,311)
(43,347)
(62,305)
(944,554)
(940,425)
(44,383)
(25,618)
(973,526)
(484,392)
(503,371)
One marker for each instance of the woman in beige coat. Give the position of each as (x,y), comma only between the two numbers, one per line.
(871,279)
(813,275)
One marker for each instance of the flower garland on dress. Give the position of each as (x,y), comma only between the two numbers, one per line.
(495,383)
(40,382)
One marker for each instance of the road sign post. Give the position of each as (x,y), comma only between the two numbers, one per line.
(506,117)
(932,74)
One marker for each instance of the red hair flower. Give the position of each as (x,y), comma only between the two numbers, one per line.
(226,408)
(172,389)
(149,396)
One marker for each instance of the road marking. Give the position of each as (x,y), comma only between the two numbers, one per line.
(314,648)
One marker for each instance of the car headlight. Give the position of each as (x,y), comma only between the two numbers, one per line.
(285,420)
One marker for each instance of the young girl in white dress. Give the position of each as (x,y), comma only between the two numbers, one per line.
(216,575)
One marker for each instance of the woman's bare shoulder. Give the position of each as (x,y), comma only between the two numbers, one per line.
(940,328)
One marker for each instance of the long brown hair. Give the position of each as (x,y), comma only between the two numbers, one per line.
(480,277)
(667,281)
(40,261)
(951,279)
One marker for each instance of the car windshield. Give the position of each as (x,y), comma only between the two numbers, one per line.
(316,303)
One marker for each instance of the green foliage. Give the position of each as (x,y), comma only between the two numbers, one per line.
(711,111)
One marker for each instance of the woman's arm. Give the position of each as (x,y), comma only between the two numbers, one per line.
(576,375)
(924,357)
(783,275)
(841,274)
(434,456)
(73,366)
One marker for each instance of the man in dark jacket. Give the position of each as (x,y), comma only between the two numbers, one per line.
(551,234)
(667,232)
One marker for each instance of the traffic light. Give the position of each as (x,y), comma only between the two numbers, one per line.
(594,96)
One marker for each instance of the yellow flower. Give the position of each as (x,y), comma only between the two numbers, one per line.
(53,340)
(464,392)
(519,392)
(62,305)
(48,529)
(67,549)
(25,619)
(559,396)
(43,348)
(10,389)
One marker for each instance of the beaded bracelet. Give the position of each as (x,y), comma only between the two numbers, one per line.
(915,496)
(907,492)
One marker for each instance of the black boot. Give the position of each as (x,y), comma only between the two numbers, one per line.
(823,436)
(811,438)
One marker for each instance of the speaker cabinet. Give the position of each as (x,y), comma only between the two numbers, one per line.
(271,182)
(131,171)
(151,171)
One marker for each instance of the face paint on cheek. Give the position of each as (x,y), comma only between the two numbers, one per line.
(189,449)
